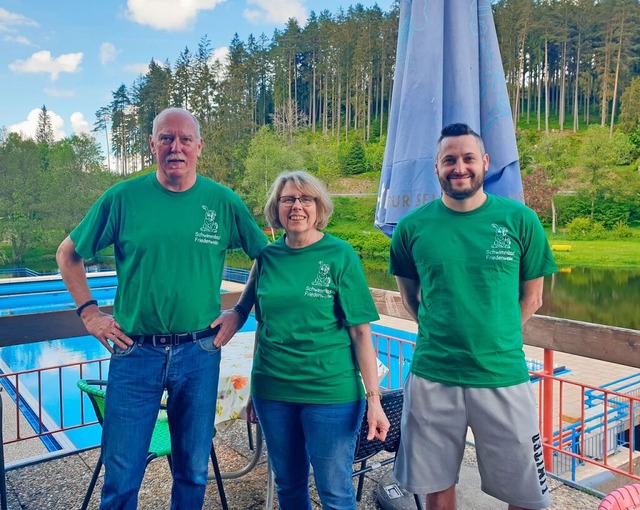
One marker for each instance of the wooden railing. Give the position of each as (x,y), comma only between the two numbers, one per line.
(598,342)
(594,341)
(605,343)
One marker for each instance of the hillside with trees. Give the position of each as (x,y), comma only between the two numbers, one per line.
(317,96)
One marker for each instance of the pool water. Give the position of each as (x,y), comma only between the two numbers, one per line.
(67,351)
(19,297)
(53,353)
(57,388)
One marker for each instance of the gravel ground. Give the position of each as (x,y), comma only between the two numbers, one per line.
(61,483)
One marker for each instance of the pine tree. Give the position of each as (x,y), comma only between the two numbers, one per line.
(44,131)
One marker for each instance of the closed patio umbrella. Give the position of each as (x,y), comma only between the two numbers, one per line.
(448,69)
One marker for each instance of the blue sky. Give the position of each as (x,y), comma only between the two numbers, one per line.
(70,55)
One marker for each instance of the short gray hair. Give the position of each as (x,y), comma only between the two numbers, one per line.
(164,112)
(308,185)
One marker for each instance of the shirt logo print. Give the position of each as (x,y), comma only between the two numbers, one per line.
(501,248)
(322,279)
(208,232)
(320,286)
(502,237)
(209,225)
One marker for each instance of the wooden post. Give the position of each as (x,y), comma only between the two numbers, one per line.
(547,409)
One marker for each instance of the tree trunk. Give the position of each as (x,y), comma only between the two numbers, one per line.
(529,97)
(539,98)
(356,108)
(325,107)
(369,103)
(604,109)
(382,102)
(106,134)
(563,84)
(338,103)
(576,114)
(521,55)
(314,99)
(546,85)
(615,83)
(347,113)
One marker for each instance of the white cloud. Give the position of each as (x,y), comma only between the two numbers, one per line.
(42,62)
(168,14)
(222,55)
(79,124)
(9,20)
(29,126)
(108,52)
(276,11)
(59,92)
(136,68)
(20,39)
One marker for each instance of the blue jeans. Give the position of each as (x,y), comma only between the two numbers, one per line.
(321,434)
(137,378)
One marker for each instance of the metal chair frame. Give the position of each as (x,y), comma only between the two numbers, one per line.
(3,475)
(392,401)
(160,445)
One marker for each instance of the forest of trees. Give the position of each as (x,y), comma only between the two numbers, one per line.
(317,97)
(46,187)
(571,61)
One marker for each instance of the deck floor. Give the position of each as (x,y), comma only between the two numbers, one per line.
(60,484)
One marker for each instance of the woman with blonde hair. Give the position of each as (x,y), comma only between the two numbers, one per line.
(314,349)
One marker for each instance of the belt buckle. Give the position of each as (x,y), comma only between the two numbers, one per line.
(162,340)
(177,338)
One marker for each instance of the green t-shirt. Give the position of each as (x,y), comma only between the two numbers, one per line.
(470,267)
(306,300)
(169,250)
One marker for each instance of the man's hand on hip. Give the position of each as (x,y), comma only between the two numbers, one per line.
(105,328)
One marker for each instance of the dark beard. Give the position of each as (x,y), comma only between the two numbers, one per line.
(448,190)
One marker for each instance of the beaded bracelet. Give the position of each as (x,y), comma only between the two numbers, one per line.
(242,313)
(84,305)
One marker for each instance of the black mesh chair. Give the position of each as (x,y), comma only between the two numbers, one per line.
(392,404)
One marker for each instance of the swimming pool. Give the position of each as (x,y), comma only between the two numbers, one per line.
(56,388)
(68,351)
(22,297)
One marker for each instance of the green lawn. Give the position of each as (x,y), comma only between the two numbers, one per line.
(352,222)
(601,253)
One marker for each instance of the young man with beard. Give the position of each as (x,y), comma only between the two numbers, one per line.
(470,269)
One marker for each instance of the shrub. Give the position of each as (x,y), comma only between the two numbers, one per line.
(367,243)
(585,228)
(621,231)
(355,162)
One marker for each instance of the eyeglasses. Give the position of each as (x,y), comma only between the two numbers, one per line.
(305,200)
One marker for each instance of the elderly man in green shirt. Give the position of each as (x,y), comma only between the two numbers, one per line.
(170,231)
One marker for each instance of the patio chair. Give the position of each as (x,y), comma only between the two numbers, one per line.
(160,440)
(392,404)
(623,498)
